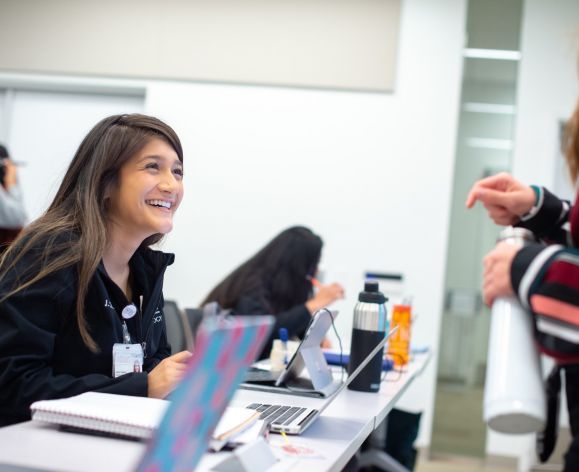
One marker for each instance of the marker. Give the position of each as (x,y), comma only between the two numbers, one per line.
(315,282)
(284,336)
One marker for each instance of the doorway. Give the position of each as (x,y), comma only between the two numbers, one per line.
(484,146)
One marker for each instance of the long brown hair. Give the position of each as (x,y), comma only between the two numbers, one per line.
(79,209)
(571,144)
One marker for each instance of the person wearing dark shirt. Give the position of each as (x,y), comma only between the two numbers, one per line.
(67,281)
(279,280)
(12,213)
(544,276)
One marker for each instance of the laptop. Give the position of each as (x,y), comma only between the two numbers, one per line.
(308,356)
(295,419)
(223,351)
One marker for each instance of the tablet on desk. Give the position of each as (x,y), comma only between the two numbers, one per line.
(308,353)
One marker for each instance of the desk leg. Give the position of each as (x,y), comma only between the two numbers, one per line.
(375,455)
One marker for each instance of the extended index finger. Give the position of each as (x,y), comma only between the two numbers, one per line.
(493,182)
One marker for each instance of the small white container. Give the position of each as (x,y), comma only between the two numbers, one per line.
(278,355)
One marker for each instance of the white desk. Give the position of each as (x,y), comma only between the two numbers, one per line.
(335,436)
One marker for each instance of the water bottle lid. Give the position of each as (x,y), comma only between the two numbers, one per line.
(371,294)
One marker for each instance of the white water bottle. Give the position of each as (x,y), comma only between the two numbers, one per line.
(514,397)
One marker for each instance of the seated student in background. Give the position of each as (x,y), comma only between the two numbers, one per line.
(12,213)
(67,278)
(278,281)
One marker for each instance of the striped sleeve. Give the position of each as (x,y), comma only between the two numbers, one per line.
(549,219)
(546,280)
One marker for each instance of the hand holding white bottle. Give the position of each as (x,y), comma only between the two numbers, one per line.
(514,397)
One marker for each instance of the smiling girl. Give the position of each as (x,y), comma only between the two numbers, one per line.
(80,287)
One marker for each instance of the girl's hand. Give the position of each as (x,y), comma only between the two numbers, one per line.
(9,173)
(325,295)
(497,272)
(165,376)
(505,198)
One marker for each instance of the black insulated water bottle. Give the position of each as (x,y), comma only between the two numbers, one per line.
(369,328)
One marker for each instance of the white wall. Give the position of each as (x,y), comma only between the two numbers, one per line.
(547,85)
(547,93)
(371,173)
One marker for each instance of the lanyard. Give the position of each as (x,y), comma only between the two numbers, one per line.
(128,312)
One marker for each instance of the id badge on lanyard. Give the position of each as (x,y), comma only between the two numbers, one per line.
(127,357)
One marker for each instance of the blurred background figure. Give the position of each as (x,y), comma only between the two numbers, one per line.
(12,214)
(279,280)
(544,276)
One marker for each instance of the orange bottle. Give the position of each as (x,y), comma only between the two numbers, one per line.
(399,342)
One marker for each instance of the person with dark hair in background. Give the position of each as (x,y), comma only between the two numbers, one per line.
(543,275)
(73,281)
(279,280)
(12,214)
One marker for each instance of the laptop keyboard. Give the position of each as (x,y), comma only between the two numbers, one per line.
(278,414)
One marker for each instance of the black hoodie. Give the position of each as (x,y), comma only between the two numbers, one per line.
(42,355)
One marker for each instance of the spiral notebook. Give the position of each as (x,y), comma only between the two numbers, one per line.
(121,415)
(179,429)
(126,416)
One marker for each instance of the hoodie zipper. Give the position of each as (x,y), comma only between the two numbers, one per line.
(152,306)
(143,340)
